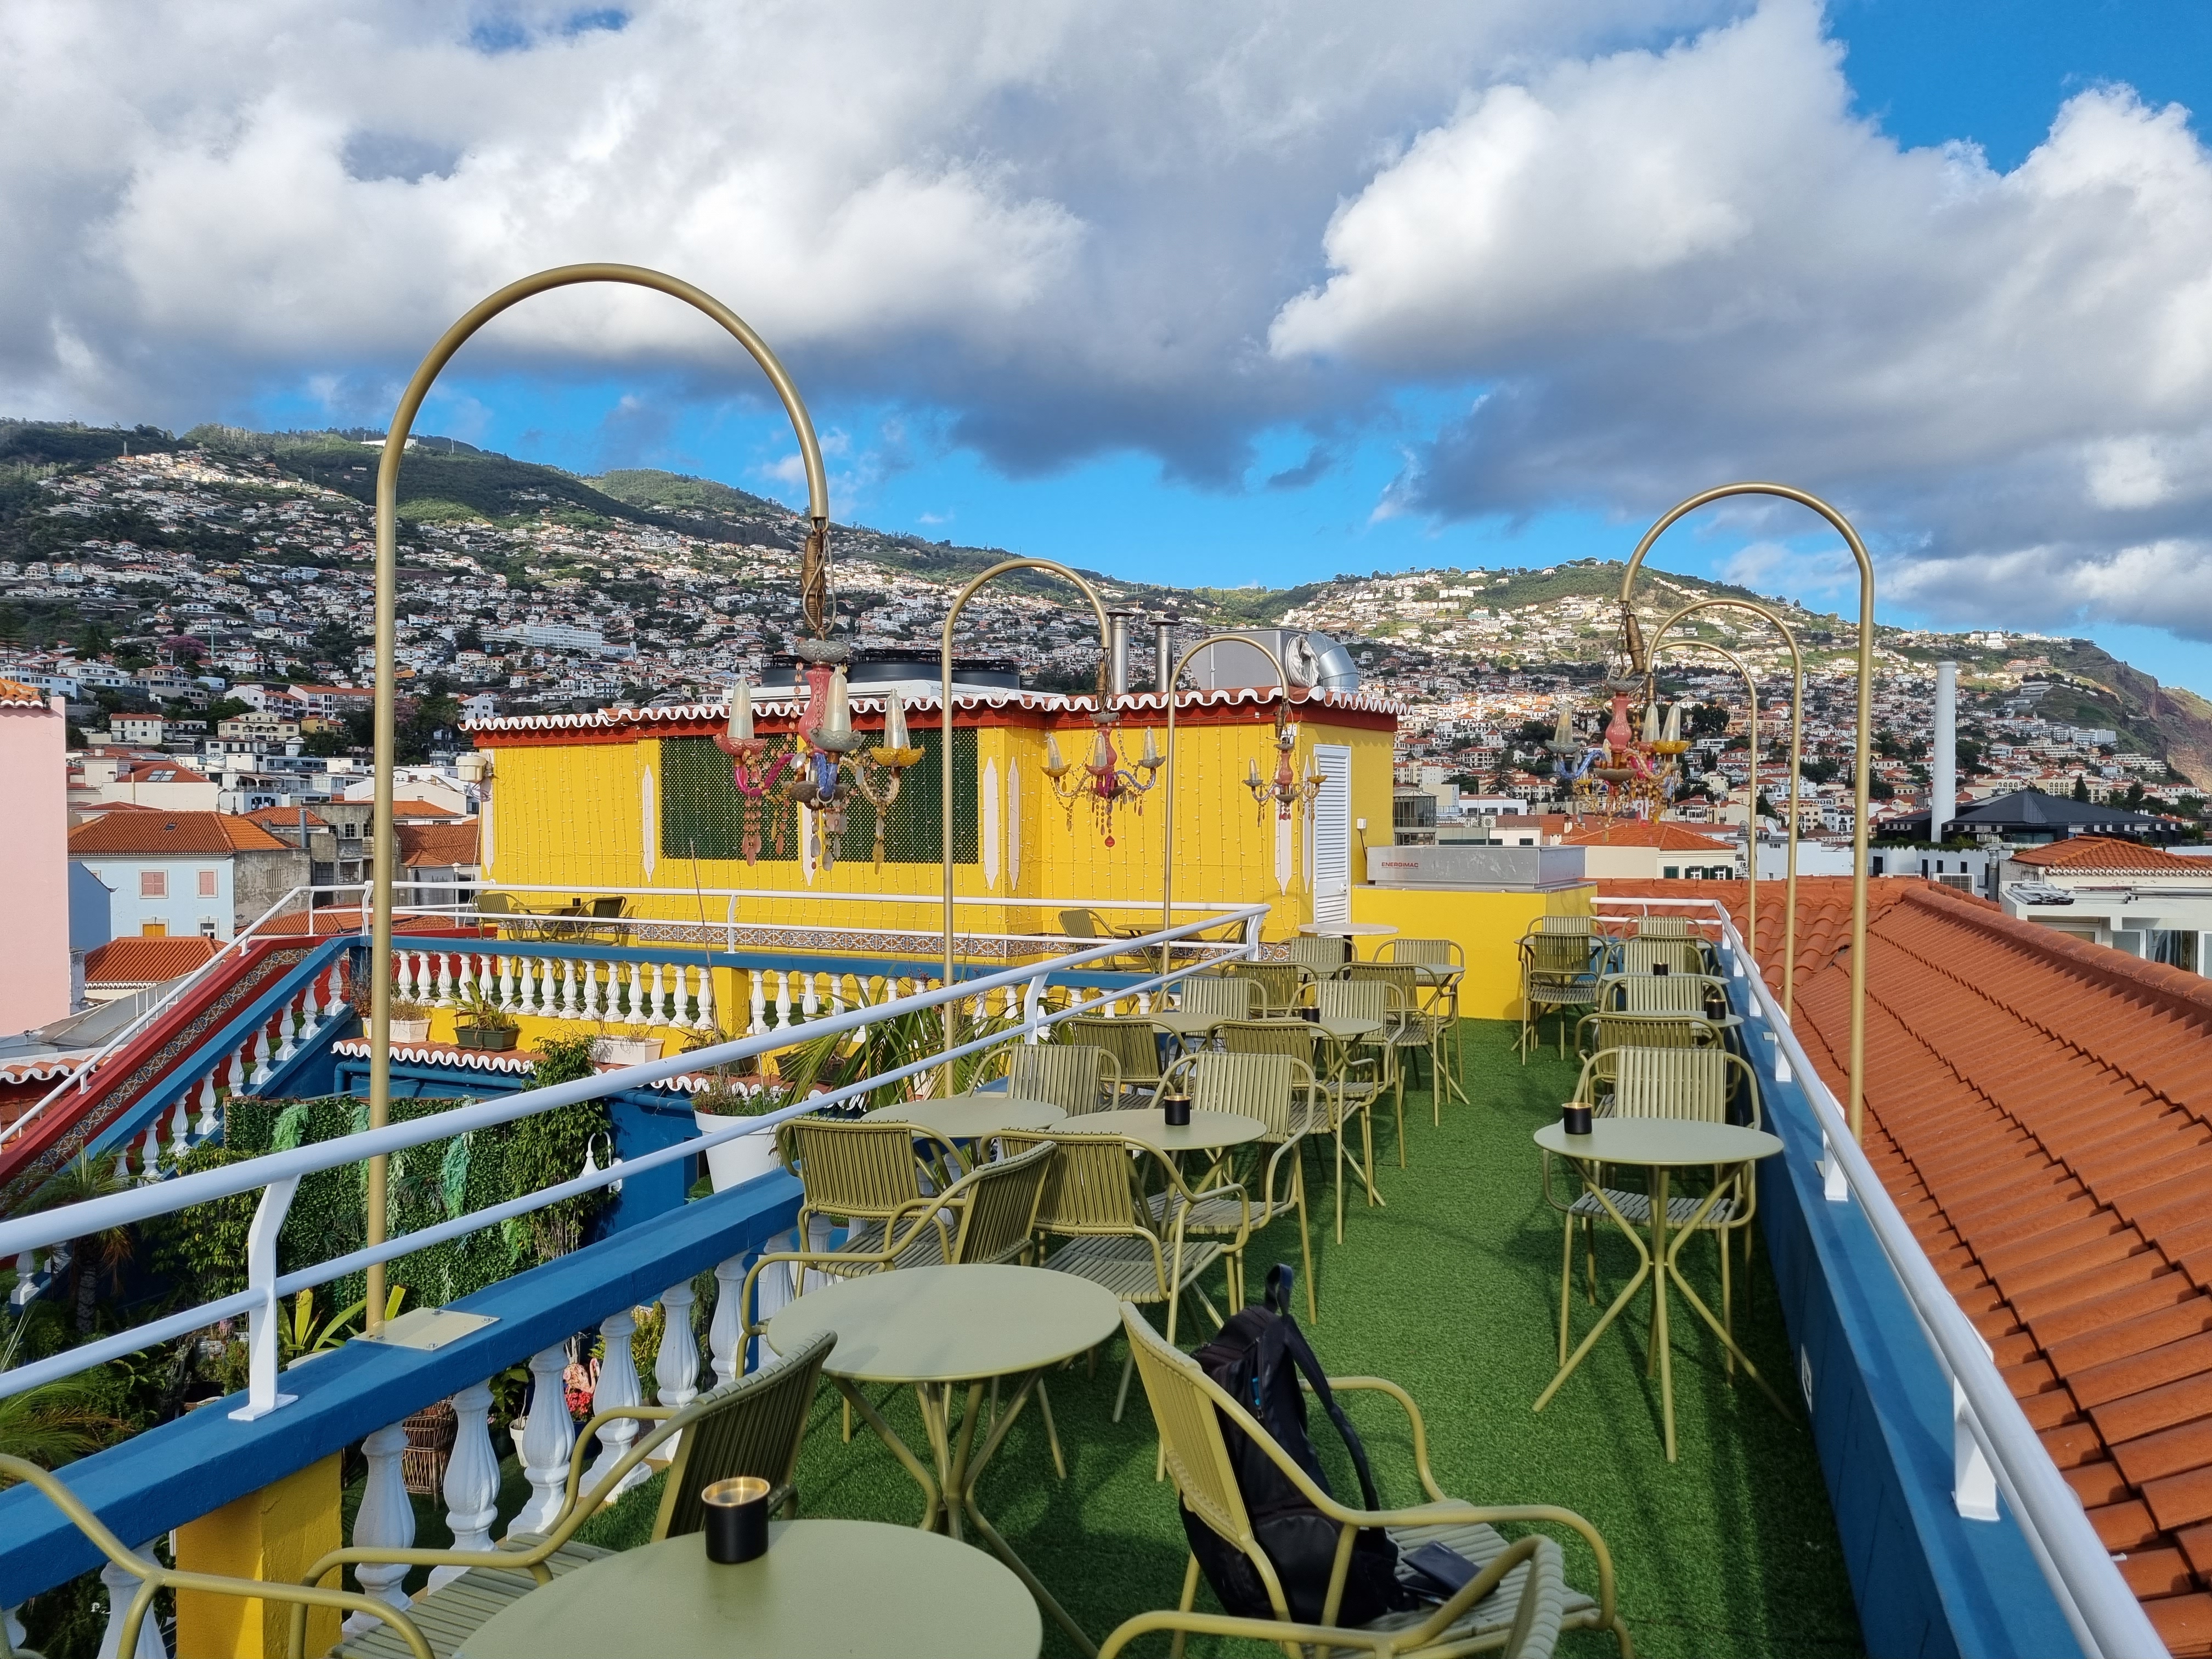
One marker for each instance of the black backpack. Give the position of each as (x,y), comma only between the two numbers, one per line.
(1252,1359)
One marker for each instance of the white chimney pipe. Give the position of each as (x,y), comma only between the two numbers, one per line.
(1943,765)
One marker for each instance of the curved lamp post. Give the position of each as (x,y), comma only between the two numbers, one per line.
(1632,642)
(814,599)
(1167,827)
(1796,753)
(944,690)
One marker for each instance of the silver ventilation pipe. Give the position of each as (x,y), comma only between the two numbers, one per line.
(1117,652)
(1163,652)
(1943,765)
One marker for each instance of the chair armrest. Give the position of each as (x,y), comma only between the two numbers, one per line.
(1384,1386)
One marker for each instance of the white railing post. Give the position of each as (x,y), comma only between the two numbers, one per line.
(726,1333)
(1974,1483)
(547,1439)
(597,984)
(471,1484)
(759,1022)
(206,1127)
(507,1002)
(676,1367)
(386,1521)
(655,1000)
(122,1586)
(705,1021)
(618,1386)
(782,1000)
(261,1395)
(807,1006)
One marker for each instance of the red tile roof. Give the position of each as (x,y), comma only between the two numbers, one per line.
(286,818)
(135,961)
(1664,834)
(2040,1108)
(174,835)
(2109,855)
(436,846)
(14,694)
(421,809)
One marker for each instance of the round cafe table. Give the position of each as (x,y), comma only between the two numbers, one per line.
(1207,1132)
(798,1598)
(969,1117)
(934,1328)
(1660,1145)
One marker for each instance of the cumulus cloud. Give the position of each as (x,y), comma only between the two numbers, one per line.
(1671,268)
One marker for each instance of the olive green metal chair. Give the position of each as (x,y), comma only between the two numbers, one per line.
(1093,1204)
(1323,954)
(1076,1077)
(1088,928)
(1132,1045)
(1663,993)
(1559,974)
(753,1426)
(1283,1094)
(1218,994)
(1518,1602)
(867,1175)
(1444,966)
(403,1632)
(1664,928)
(1379,1000)
(1281,986)
(1426,1025)
(1348,1094)
(1642,954)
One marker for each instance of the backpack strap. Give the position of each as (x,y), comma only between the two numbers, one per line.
(1302,1354)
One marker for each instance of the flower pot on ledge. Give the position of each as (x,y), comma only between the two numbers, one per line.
(410,1030)
(497,1038)
(626,1051)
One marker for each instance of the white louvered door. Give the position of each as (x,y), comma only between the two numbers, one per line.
(1332,834)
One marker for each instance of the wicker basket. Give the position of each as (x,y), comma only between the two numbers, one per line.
(430,1448)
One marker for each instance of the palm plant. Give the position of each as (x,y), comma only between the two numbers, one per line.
(842,1058)
(50,1425)
(97,1255)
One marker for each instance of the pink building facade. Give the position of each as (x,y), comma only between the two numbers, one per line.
(34,921)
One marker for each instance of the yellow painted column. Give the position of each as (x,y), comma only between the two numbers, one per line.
(274,1534)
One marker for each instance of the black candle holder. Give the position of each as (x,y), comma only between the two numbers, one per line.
(1178,1108)
(736,1519)
(1575,1118)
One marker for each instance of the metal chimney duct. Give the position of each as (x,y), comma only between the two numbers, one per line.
(1164,651)
(1117,652)
(1943,765)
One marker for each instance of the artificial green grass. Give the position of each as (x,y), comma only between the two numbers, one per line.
(1451,1291)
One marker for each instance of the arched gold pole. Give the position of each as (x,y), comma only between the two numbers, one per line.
(1797,755)
(1750,816)
(814,581)
(1855,1106)
(1167,827)
(944,688)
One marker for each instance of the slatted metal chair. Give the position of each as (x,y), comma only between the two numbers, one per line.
(753,1426)
(1687,1084)
(1280,985)
(1132,1045)
(1641,954)
(1324,953)
(1518,1601)
(1349,1095)
(1661,994)
(1283,1094)
(1558,973)
(1093,1203)
(1425,1025)
(1076,1077)
(1444,965)
(1218,994)
(1380,1000)
(1664,928)
(867,1175)
(1091,928)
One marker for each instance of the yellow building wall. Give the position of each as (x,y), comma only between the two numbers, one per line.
(1487,927)
(584,817)
(275,1535)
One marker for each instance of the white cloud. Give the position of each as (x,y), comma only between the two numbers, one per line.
(1674,268)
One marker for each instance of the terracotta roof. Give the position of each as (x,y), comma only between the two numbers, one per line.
(158,772)
(175,835)
(1664,834)
(15,693)
(2108,855)
(352,920)
(287,817)
(2040,1108)
(421,809)
(136,961)
(437,845)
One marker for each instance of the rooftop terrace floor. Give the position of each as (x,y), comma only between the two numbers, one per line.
(1452,1291)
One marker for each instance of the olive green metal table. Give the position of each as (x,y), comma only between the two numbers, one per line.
(1207,1132)
(799,1598)
(969,1117)
(1661,1146)
(932,1328)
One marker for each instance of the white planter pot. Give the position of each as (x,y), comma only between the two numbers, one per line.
(626,1051)
(736,1162)
(410,1030)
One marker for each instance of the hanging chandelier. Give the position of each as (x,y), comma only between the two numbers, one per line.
(1105,782)
(1288,791)
(823,769)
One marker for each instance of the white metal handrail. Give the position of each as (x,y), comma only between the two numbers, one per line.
(2106,1619)
(278,1174)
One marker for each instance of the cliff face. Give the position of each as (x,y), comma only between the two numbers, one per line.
(2177,721)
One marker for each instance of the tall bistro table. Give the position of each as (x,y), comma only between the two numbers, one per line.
(798,1598)
(1661,1146)
(934,1328)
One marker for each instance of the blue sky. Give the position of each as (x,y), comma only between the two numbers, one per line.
(1205,296)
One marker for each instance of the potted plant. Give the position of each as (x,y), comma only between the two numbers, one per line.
(626,1045)
(483,1023)
(410,1022)
(727,1094)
